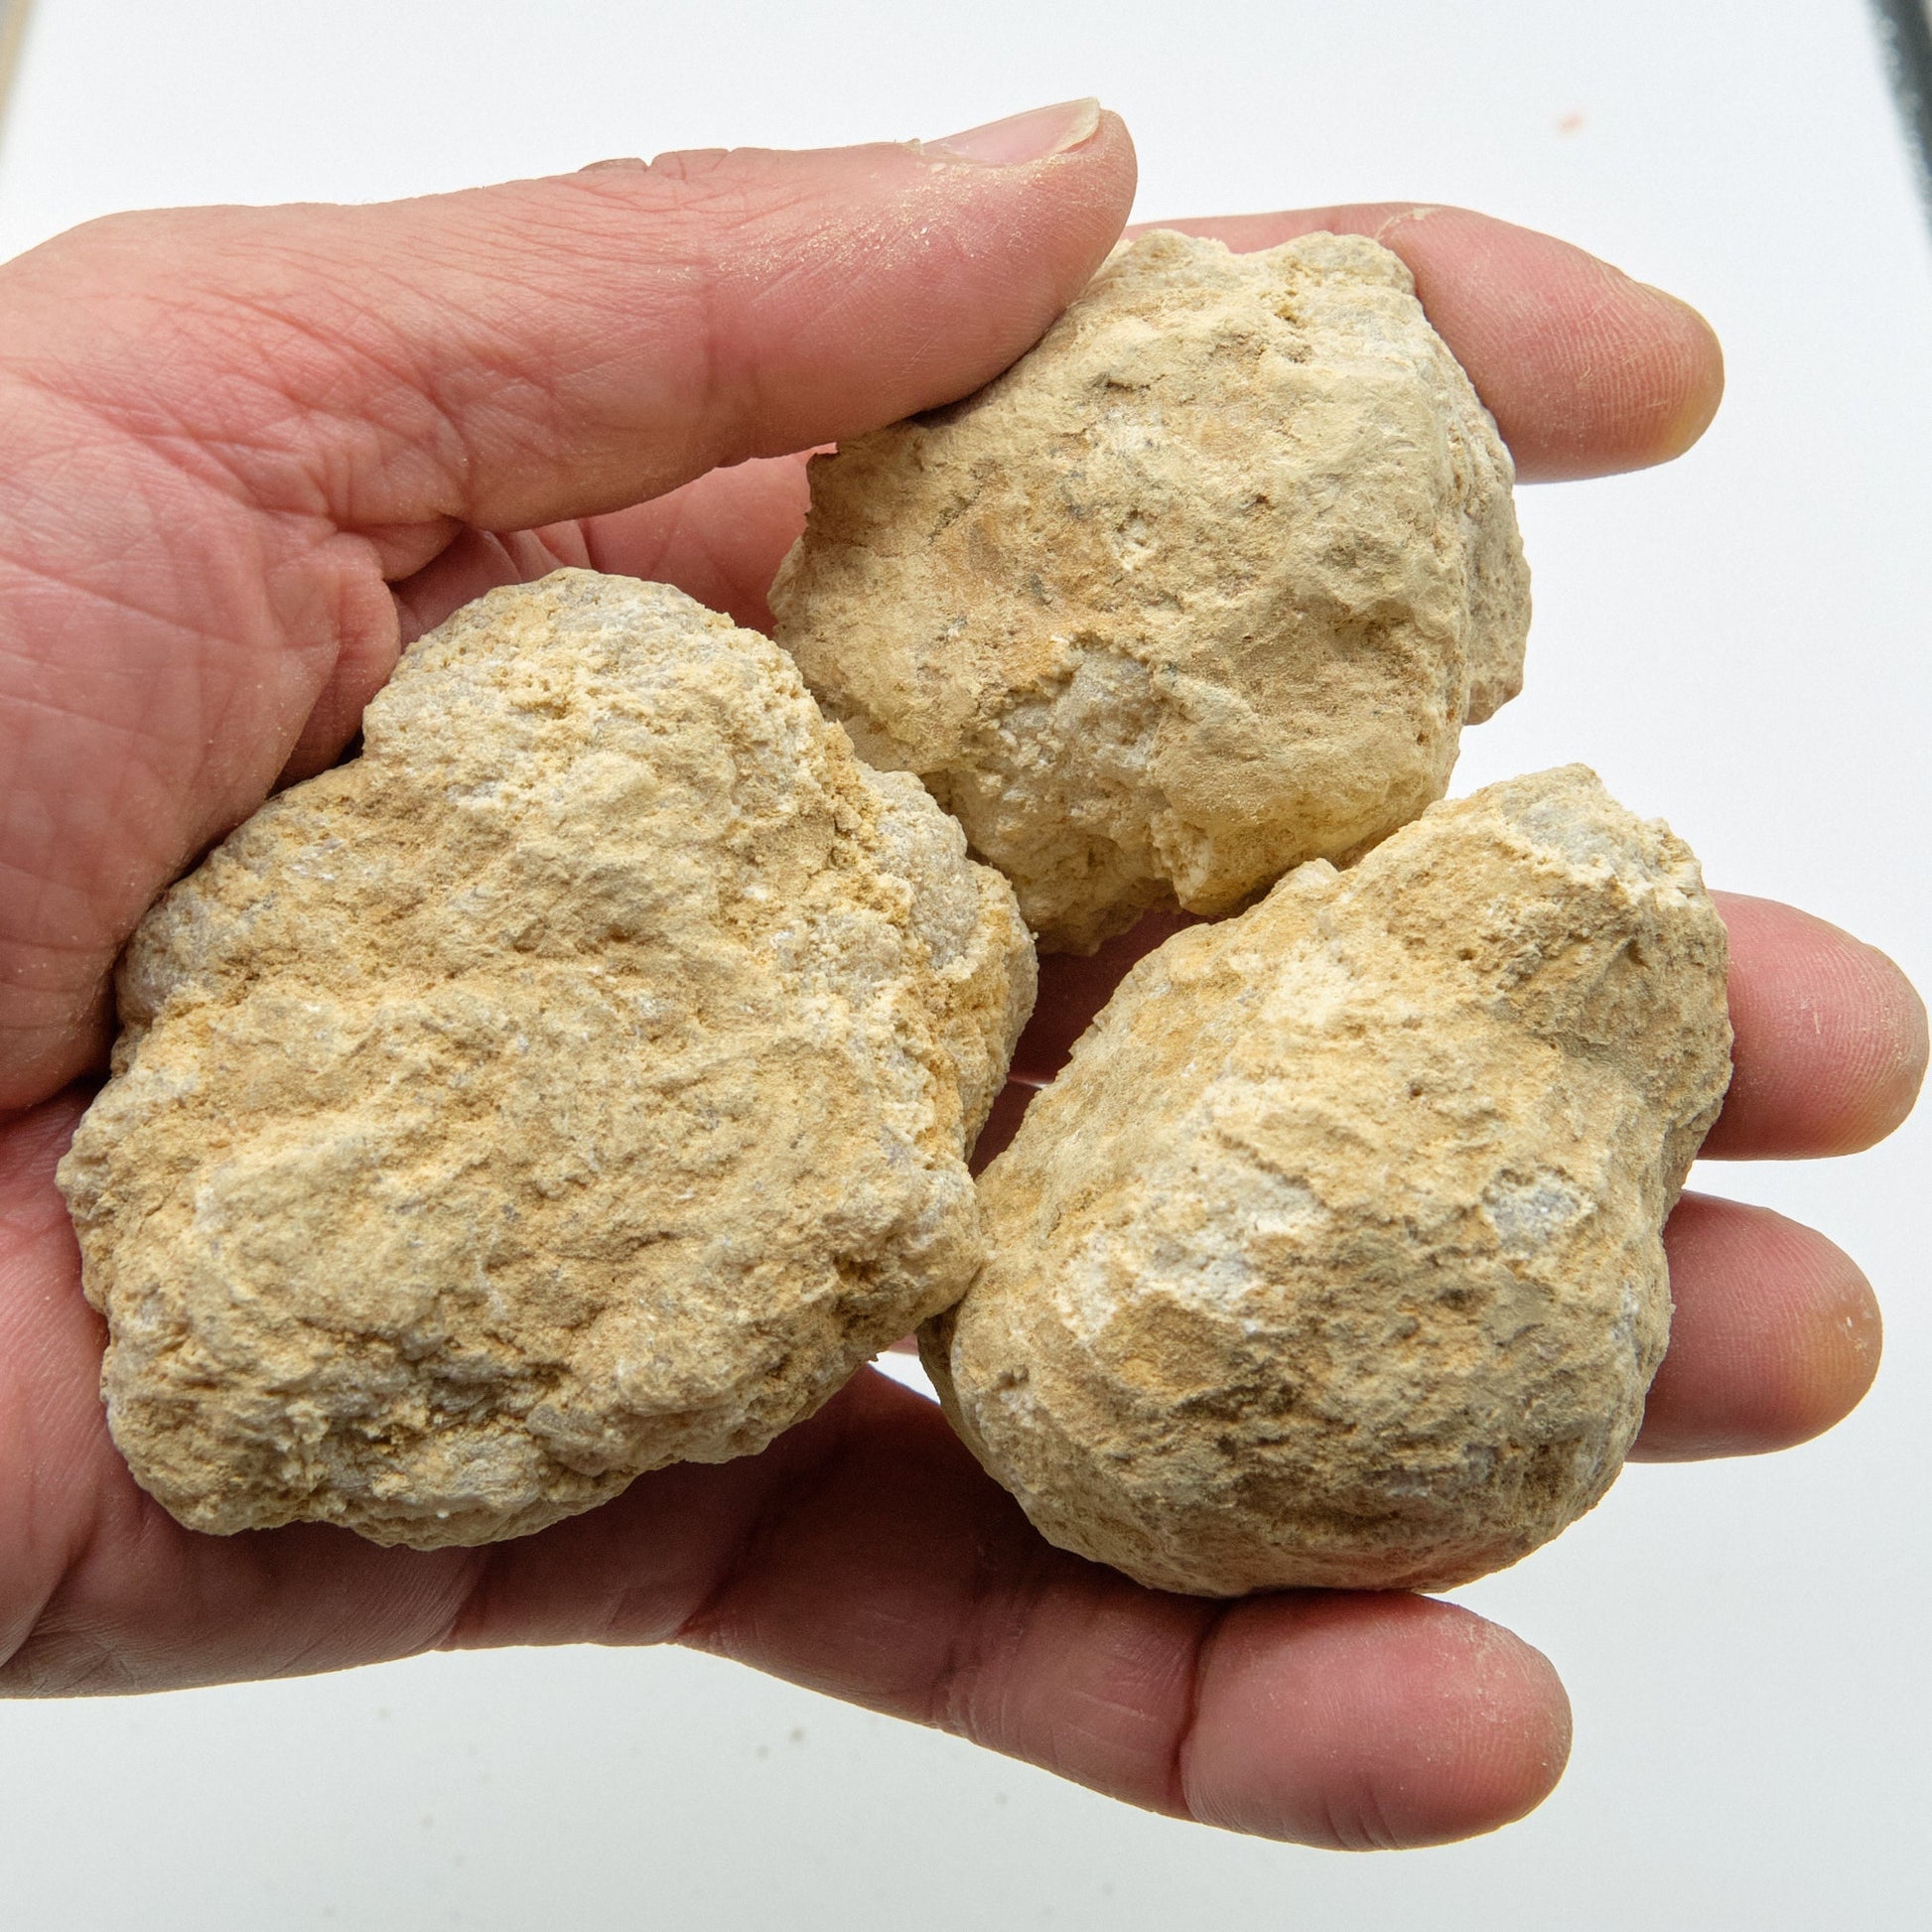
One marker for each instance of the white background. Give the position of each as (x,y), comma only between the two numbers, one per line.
(1737,644)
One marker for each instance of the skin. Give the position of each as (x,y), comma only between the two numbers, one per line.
(254,453)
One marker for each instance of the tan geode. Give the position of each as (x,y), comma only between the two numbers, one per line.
(1333,1257)
(577,1081)
(1204,586)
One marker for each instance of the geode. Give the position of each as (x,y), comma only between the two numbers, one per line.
(1204,586)
(1334,1256)
(579,1080)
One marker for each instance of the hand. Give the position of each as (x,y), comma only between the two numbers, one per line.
(252,452)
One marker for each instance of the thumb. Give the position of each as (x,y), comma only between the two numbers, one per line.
(230,429)
(548,349)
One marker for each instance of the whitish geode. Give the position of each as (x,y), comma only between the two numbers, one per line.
(577,1081)
(1204,586)
(1334,1256)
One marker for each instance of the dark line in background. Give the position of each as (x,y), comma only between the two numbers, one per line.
(1905,34)
(13,31)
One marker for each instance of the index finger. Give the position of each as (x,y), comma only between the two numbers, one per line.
(1586,371)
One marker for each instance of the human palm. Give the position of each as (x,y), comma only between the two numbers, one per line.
(252,452)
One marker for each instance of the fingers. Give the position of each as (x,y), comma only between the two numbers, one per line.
(229,429)
(1585,371)
(868,1556)
(719,539)
(1831,1046)
(1776,1334)
(1774,1338)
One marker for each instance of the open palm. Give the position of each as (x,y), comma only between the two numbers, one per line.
(252,452)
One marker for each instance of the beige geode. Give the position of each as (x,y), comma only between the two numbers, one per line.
(1204,586)
(1333,1257)
(577,1081)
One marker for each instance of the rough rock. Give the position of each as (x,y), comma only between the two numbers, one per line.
(1333,1257)
(1204,586)
(577,1081)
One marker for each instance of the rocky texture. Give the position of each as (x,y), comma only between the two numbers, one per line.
(1202,588)
(1333,1257)
(577,1081)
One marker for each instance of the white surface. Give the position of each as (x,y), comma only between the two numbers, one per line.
(1737,642)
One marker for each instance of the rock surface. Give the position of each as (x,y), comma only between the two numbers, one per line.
(579,1081)
(1204,586)
(1333,1257)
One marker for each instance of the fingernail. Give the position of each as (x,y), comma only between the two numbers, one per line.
(1033,136)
